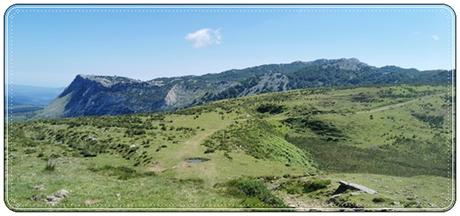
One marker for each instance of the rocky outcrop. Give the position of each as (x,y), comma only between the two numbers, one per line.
(171,97)
(345,186)
(268,83)
(351,64)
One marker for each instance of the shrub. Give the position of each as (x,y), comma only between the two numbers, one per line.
(270,108)
(253,189)
(326,130)
(208,151)
(30,150)
(432,120)
(292,187)
(378,200)
(50,165)
(40,136)
(29,143)
(315,184)
(362,98)
(298,186)
(135,132)
(253,202)
(87,153)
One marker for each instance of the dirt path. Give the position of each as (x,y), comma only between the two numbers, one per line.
(387,107)
(391,106)
(303,203)
(190,148)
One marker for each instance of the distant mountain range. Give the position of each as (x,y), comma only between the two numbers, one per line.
(90,95)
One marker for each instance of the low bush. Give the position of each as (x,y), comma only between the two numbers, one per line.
(50,165)
(433,120)
(299,186)
(378,200)
(270,108)
(326,130)
(255,192)
(135,131)
(292,187)
(362,98)
(315,184)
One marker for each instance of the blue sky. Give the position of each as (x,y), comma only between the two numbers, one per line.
(50,46)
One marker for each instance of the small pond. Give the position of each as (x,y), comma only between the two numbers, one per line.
(196,160)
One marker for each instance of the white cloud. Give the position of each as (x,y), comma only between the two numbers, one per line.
(435,37)
(204,37)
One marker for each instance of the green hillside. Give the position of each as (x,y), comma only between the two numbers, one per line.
(277,150)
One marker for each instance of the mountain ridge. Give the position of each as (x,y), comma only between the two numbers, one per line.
(89,95)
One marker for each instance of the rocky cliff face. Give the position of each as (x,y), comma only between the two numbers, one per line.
(113,95)
(104,95)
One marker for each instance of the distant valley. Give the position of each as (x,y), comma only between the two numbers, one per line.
(25,101)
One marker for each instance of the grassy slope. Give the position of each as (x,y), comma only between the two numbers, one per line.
(356,130)
(410,193)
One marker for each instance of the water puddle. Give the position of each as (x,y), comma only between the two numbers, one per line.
(196,160)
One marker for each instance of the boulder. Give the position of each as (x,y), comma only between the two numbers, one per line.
(61,193)
(344,186)
(39,187)
(52,200)
(36,197)
(57,197)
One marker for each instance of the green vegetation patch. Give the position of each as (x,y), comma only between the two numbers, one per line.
(298,186)
(363,98)
(254,192)
(326,130)
(435,121)
(259,139)
(270,108)
(338,157)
